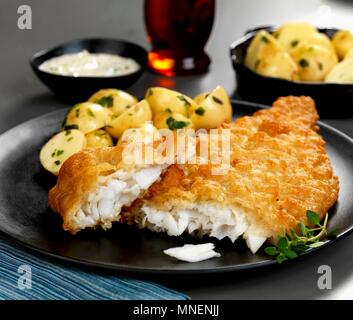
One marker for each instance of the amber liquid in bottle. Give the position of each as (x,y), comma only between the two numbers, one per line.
(178,31)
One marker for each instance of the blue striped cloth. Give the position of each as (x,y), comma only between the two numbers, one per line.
(51,281)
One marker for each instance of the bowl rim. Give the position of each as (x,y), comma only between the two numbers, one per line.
(38,54)
(251,33)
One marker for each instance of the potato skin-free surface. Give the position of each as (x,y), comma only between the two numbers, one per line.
(161,99)
(266,56)
(59,148)
(342,72)
(116,100)
(134,117)
(314,61)
(343,42)
(99,139)
(212,111)
(86,117)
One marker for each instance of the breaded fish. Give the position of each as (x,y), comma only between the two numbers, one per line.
(279,169)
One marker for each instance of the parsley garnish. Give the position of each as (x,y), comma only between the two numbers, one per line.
(106,101)
(67,132)
(168,110)
(292,244)
(174,124)
(294,43)
(77,112)
(70,127)
(303,63)
(217,100)
(257,63)
(200,111)
(264,39)
(69,139)
(57,162)
(90,113)
(186,102)
(320,65)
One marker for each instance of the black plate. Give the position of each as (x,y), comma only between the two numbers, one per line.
(25,217)
(77,89)
(333,100)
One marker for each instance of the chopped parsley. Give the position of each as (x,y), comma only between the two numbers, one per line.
(57,162)
(70,127)
(257,63)
(320,65)
(77,112)
(67,132)
(294,43)
(59,153)
(264,39)
(168,110)
(217,100)
(106,101)
(303,63)
(186,102)
(90,113)
(127,106)
(200,111)
(69,139)
(174,124)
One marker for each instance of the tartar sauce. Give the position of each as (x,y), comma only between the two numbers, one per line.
(85,64)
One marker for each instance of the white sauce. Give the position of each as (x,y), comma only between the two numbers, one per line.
(85,64)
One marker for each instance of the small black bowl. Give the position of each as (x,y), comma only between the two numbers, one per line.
(332,100)
(75,89)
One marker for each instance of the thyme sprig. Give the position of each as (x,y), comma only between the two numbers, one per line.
(292,244)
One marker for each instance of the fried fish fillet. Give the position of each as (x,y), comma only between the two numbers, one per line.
(279,169)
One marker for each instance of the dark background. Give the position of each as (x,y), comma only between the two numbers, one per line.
(22,97)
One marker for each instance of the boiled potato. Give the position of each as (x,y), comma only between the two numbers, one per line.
(200,97)
(212,111)
(172,121)
(117,100)
(278,65)
(147,133)
(162,99)
(292,34)
(59,148)
(99,139)
(343,41)
(267,57)
(86,117)
(134,117)
(314,61)
(342,72)
(321,39)
(349,54)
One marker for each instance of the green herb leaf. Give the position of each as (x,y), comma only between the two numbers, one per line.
(291,254)
(303,63)
(264,39)
(57,162)
(200,111)
(168,110)
(313,217)
(69,139)
(302,228)
(186,102)
(217,100)
(68,132)
(106,101)
(282,243)
(271,251)
(174,124)
(90,113)
(71,126)
(280,258)
(294,43)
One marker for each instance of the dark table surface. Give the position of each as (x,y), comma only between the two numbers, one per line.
(22,97)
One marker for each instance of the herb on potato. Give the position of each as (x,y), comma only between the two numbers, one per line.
(294,43)
(70,127)
(174,124)
(264,39)
(217,100)
(200,111)
(186,102)
(106,101)
(90,113)
(303,63)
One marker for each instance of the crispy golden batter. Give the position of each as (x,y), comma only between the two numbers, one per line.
(279,169)
(78,176)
